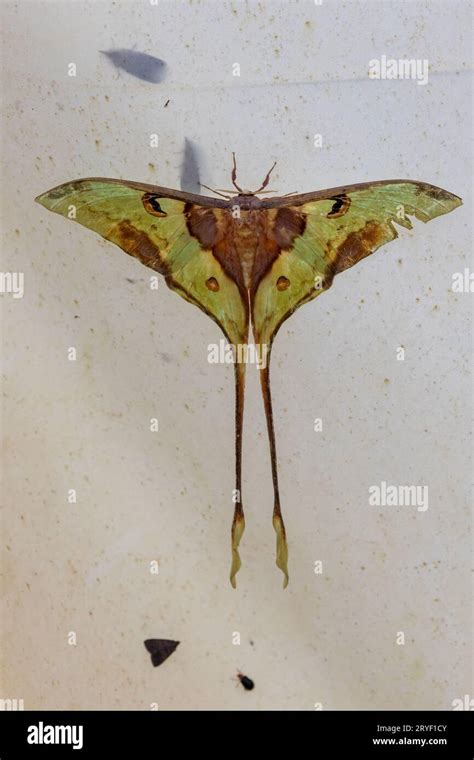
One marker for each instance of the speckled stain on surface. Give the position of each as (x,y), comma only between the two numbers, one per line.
(84,567)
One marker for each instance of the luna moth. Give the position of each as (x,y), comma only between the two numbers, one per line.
(248,261)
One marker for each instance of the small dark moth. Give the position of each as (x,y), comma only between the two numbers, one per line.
(249,262)
(246,682)
(160,649)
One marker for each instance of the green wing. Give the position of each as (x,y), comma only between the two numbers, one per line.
(152,226)
(312,238)
(184,237)
(322,234)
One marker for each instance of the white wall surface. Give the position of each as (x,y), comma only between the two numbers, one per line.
(329,638)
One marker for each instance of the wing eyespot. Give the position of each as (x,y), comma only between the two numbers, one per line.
(340,207)
(283,283)
(151,205)
(212,284)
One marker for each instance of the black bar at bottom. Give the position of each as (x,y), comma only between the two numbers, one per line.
(441,734)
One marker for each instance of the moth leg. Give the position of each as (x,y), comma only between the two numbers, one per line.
(217,192)
(278,524)
(238,523)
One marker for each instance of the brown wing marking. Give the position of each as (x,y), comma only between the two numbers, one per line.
(212,228)
(138,244)
(360,244)
(277,231)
